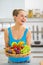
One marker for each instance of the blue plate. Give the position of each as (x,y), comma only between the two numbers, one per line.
(20,59)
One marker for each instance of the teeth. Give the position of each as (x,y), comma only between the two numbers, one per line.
(22,21)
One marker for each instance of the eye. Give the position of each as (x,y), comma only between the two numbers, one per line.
(21,15)
(25,16)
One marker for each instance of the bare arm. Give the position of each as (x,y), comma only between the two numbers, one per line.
(6,38)
(6,41)
(29,38)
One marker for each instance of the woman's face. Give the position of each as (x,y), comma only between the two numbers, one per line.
(21,17)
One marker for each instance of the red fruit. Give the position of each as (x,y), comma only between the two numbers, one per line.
(22,47)
(15,46)
(18,48)
(17,51)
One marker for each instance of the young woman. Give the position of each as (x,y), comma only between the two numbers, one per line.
(17,33)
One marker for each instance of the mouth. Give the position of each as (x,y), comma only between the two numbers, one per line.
(22,21)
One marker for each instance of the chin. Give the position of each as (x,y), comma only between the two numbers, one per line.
(21,23)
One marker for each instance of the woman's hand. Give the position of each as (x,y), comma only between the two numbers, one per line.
(6,54)
(7,49)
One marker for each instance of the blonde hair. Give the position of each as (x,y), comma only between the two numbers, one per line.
(16,11)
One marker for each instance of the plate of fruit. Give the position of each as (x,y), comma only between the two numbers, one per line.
(18,50)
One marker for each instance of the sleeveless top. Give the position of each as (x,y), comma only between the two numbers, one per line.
(11,39)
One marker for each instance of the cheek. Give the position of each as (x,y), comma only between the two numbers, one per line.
(19,18)
(25,19)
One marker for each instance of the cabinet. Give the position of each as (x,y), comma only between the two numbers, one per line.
(36,27)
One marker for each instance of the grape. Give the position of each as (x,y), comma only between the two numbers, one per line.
(17,51)
(9,51)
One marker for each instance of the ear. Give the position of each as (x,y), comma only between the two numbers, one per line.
(15,17)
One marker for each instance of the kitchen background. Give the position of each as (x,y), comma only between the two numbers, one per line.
(34,13)
(34,22)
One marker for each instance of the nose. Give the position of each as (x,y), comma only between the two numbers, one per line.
(24,18)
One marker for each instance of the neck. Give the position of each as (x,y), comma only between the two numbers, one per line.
(18,27)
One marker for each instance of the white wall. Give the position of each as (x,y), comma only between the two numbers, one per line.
(6,7)
(34,4)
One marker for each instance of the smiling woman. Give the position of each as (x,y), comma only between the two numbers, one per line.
(18,33)
(19,15)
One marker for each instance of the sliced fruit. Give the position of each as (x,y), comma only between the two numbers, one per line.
(20,43)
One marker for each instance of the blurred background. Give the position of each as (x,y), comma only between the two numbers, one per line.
(34,22)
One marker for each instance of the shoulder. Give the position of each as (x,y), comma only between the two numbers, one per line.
(6,30)
(28,33)
(28,30)
(6,34)
(24,28)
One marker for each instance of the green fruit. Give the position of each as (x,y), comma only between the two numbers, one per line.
(28,47)
(14,43)
(25,49)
